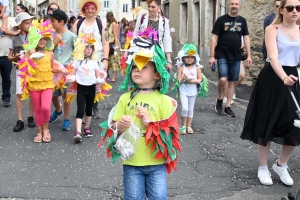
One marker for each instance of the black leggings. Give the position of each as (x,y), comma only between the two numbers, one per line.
(85,97)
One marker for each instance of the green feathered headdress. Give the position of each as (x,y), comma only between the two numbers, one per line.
(36,32)
(141,52)
(188,50)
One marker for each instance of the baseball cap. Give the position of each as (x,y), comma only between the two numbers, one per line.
(21,17)
(59,15)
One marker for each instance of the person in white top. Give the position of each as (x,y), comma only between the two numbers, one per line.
(271,115)
(86,72)
(159,23)
(90,24)
(189,75)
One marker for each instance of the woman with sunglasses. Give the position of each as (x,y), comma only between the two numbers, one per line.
(159,23)
(271,110)
(51,7)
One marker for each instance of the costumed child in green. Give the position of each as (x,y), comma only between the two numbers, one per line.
(147,107)
(188,76)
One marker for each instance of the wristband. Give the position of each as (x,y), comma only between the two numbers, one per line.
(119,128)
(104,59)
(145,120)
(169,61)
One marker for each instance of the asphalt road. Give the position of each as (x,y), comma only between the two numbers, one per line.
(215,163)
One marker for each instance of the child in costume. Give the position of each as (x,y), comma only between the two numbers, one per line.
(189,75)
(155,113)
(37,75)
(64,46)
(86,71)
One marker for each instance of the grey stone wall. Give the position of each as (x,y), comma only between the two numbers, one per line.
(185,22)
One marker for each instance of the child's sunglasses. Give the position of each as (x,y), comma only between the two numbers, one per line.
(291,8)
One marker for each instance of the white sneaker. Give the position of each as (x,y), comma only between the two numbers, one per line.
(264,177)
(283,173)
(225,101)
(234,96)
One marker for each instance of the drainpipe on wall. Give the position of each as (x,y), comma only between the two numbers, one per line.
(223,7)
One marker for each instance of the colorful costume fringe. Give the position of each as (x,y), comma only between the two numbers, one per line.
(163,135)
(27,69)
(123,63)
(101,89)
(202,88)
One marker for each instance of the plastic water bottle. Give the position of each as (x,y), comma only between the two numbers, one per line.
(213,67)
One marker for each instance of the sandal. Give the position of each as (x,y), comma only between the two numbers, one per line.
(113,80)
(183,130)
(38,138)
(190,130)
(47,137)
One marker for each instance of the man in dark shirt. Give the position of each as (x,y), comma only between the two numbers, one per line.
(268,20)
(226,40)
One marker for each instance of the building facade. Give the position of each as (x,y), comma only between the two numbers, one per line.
(120,8)
(195,21)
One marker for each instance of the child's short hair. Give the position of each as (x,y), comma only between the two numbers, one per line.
(59,15)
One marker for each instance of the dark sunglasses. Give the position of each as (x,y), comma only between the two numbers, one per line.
(52,8)
(277,6)
(189,56)
(291,8)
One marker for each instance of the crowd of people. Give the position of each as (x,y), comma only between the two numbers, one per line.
(79,57)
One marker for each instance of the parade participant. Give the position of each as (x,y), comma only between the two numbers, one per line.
(188,75)
(64,45)
(86,72)
(23,22)
(271,109)
(225,46)
(37,77)
(146,107)
(91,24)
(114,43)
(159,23)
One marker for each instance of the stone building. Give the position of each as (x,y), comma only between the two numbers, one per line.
(193,21)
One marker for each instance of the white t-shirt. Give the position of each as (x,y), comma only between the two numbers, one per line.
(189,89)
(86,71)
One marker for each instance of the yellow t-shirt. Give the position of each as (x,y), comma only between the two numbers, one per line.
(159,107)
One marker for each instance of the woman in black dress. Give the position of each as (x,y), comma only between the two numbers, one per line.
(271,110)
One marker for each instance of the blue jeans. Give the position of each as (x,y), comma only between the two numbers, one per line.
(5,69)
(229,69)
(150,181)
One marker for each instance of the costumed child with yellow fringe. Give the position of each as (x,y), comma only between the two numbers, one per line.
(87,72)
(188,78)
(145,106)
(36,72)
